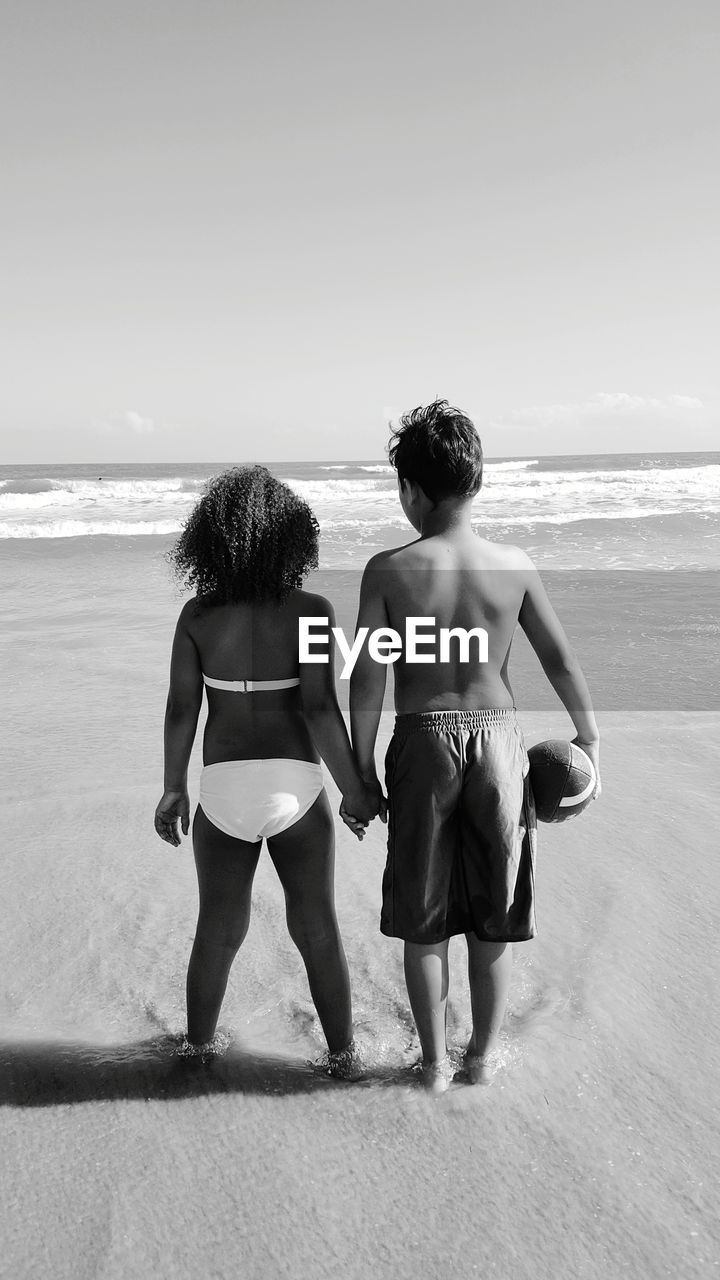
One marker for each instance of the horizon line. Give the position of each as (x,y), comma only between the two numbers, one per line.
(500,457)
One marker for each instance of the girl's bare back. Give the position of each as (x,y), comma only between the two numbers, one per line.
(257,642)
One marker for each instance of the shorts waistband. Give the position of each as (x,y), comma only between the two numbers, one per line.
(453,721)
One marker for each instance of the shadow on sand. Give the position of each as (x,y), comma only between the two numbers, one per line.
(45,1074)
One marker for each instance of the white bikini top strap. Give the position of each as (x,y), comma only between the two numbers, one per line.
(251,686)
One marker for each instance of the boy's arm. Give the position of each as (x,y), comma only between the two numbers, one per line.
(367,682)
(181,717)
(542,628)
(327,727)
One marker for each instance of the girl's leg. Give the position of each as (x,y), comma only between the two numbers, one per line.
(426,976)
(304,858)
(225,870)
(489,971)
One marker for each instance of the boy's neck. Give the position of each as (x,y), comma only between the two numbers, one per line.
(450,517)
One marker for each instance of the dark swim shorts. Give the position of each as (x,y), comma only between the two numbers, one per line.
(461,829)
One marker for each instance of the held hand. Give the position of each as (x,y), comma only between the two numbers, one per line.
(592,749)
(376,790)
(359,807)
(358,828)
(173,808)
(367,803)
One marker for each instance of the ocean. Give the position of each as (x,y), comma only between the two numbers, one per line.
(609,1037)
(627,545)
(611,511)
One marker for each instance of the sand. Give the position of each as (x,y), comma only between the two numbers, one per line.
(590,1155)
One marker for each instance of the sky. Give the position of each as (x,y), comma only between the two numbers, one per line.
(261,230)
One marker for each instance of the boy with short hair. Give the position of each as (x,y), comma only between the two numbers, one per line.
(461,838)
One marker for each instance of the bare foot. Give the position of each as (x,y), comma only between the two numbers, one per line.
(344,1064)
(214,1048)
(436,1076)
(480,1070)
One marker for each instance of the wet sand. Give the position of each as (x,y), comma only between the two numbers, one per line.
(590,1155)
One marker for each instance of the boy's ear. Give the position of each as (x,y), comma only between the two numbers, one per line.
(414,492)
(406,489)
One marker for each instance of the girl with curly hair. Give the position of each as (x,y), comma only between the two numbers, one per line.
(246,549)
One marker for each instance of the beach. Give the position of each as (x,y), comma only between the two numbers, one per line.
(589,1156)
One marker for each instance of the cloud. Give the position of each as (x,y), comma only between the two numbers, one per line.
(130,421)
(600,407)
(137,423)
(686,402)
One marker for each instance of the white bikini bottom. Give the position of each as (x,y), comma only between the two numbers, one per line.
(254,799)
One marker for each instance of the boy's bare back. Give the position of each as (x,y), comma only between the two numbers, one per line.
(461,581)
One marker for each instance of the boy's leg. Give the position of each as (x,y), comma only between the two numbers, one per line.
(304,858)
(423,779)
(426,976)
(225,870)
(489,971)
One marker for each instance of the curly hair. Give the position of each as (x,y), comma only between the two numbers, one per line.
(248,540)
(439,448)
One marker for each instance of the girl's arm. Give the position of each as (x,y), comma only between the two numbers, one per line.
(368,679)
(181,717)
(327,728)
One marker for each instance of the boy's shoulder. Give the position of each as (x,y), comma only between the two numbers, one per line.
(385,559)
(505,555)
(495,555)
(384,565)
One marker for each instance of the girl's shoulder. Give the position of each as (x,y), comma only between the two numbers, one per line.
(190,610)
(195,616)
(308,602)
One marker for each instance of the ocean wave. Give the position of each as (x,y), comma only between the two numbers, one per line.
(515,493)
(514,464)
(24,500)
(90,528)
(130,489)
(385,519)
(701,483)
(358,466)
(520,520)
(556,491)
(328,490)
(28,496)
(27,486)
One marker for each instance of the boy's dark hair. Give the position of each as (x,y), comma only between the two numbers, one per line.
(250,539)
(439,448)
